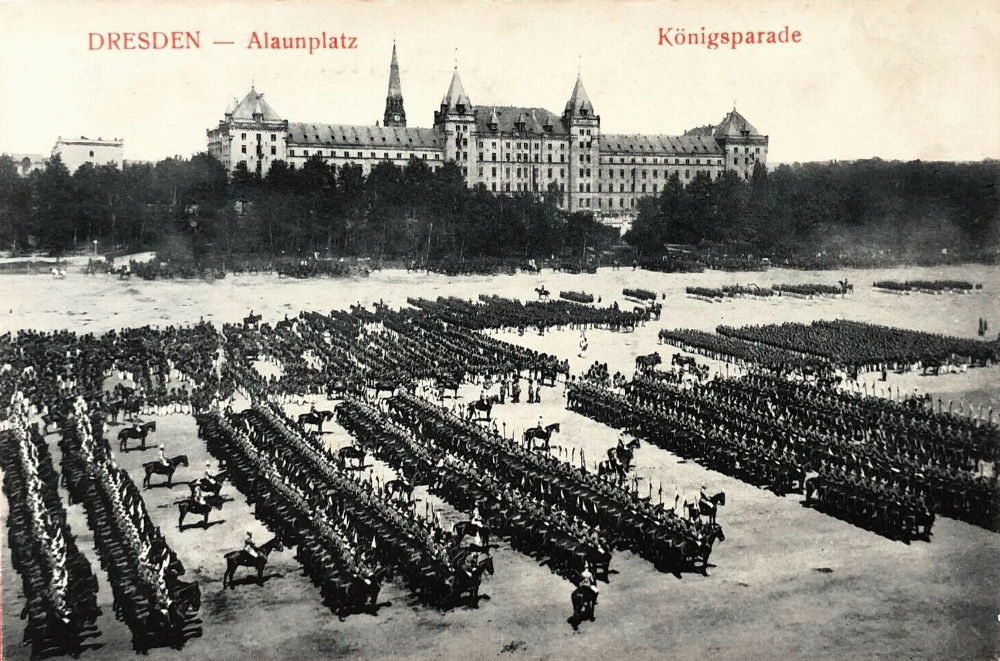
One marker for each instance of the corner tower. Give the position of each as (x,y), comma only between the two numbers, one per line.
(395,115)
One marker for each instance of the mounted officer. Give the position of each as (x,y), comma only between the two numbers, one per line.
(249,547)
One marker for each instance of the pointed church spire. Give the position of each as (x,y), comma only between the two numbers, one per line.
(395,89)
(395,115)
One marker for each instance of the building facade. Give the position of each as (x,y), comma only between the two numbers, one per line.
(507,149)
(75,153)
(27,163)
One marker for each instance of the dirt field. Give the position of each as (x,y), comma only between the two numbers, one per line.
(788,582)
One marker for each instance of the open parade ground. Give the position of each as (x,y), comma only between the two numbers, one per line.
(788,582)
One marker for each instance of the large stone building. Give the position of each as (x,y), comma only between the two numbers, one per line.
(75,153)
(505,148)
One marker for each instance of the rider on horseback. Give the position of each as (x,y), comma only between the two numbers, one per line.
(198,496)
(588,582)
(249,547)
(163,457)
(704,502)
(209,479)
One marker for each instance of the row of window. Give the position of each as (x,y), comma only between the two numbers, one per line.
(274,137)
(347,154)
(364,168)
(519,172)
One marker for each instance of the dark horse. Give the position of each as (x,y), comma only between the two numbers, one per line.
(465,529)
(131,432)
(351,452)
(212,487)
(584,600)
(711,507)
(251,319)
(399,488)
(647,363)
(542,292)
(544,434)
(624,455)
(483,405)
(357,595)
(155,467)
(241,558)
(192,506)
(317,418)
(463,583)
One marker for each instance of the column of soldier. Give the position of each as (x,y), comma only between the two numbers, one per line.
(877,464)
(534,526)
(633,522)
(401,539)
(495,312)
(328,544)
(142,569)
(414,545)
(58,584)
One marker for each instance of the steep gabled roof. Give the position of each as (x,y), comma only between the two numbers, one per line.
(733,125)
(456,94)
(504,117)
(254,103)
(579,103)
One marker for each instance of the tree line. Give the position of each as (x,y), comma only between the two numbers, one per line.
(916,206)
(189,208)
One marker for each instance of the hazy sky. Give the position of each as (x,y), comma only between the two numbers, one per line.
(894,79)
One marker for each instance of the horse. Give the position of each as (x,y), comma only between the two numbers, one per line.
(584,600)
(361,595)
(448,383)
(612,466)
(192,506)
(317,418)
(464,529)
(484,405)
(132,432)
(539,433)
(155,467)
(241,558)
(683,361)
(463,583)
(390,386)
(624,455)
(647,363)
(709,508)
(252,319)
(351,452)
(399,487)
(543,293)
(209,487)
(655,310)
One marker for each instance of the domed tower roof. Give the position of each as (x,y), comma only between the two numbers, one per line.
(456,95)
(579,104)
(734,125)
